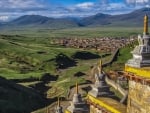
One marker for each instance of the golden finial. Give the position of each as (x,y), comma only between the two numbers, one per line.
(77,89)
(58,102)
(145,24)
(100,65)
(47,110)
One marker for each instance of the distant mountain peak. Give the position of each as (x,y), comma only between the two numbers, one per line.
(145,9)
(134,18)
(43,21)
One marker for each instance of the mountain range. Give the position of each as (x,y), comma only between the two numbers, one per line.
(134,18)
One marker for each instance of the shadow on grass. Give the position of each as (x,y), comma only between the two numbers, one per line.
(84,55)
(79,74)
(64,61)
(15,98)
(47,77)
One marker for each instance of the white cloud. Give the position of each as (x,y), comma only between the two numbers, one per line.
(10,9)
(85,5)
(137,1)
(142,1)
(4,18)
(19,4)
(116,6)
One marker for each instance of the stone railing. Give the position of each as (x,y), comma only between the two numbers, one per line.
(116,86)
(114,55)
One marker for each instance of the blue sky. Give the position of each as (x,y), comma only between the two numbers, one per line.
(10,9)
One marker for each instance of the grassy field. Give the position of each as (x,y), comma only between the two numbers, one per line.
(24,60)
(81,32)
(28,53)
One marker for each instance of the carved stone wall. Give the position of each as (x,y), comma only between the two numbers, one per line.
(138,98)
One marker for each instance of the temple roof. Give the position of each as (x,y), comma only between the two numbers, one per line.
(108,103)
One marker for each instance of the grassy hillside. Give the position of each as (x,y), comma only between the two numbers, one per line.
(23,58)
(29,53)
(28,58)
